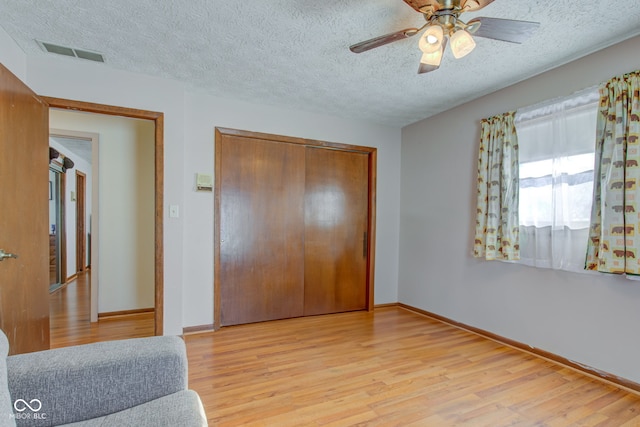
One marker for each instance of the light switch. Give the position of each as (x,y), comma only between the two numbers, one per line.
(174,211)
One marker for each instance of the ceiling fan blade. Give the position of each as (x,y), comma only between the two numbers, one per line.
(507,30)
(382,40)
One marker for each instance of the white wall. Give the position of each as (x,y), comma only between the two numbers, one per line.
(189,122)
(11,56)
(126,206)
(87,81)
(70,205)
(203,113)
(590,319)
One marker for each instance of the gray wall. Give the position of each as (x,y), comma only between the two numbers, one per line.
(592,319)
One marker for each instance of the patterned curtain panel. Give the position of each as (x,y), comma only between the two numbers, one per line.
(614,237)
(497,227)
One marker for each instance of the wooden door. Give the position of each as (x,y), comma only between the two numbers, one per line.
(24,157)
(81,251)
(261,229)
(336,219)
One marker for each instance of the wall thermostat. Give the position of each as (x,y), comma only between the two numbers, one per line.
(204,182)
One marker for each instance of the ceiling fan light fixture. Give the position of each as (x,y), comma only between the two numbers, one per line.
(473,27)
(443,25)
(462,43)
(431,40)
(432,58)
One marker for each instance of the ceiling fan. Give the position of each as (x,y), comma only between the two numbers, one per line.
(444,24)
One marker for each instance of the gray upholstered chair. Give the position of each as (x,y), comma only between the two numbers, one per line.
(136,382)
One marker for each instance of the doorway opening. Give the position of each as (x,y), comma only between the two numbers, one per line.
(79,199)
(156,195)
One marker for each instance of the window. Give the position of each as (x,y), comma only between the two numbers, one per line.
(556,142)
(570,178)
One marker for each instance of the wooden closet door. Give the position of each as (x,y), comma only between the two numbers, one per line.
(336,215)
(261,230)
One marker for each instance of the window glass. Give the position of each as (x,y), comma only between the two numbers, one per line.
(556,162)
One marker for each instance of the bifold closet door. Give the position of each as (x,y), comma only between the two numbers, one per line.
(261,230)
(336,218)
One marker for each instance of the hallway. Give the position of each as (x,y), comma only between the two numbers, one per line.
(70,318)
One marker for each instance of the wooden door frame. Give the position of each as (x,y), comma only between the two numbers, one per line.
(371,222)
(81,210)
(158,119)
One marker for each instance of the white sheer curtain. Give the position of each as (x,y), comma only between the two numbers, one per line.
(557,144)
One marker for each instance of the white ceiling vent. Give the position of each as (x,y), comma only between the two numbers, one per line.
(70,51)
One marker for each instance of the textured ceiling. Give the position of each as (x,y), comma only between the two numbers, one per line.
(78,146)
(294,53)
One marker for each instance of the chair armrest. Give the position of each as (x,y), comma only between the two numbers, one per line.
(88,381)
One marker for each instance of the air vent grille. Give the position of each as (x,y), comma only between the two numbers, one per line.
(70,51)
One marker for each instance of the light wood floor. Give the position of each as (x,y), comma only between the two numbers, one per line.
(69,309)
(391,367)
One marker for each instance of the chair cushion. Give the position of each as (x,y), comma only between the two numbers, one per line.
(183,408)
(6,408)
(94,380)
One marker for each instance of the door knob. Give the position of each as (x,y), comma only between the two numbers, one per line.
(4,255)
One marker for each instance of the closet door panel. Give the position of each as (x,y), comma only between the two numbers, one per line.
(261,230)
(336,215)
